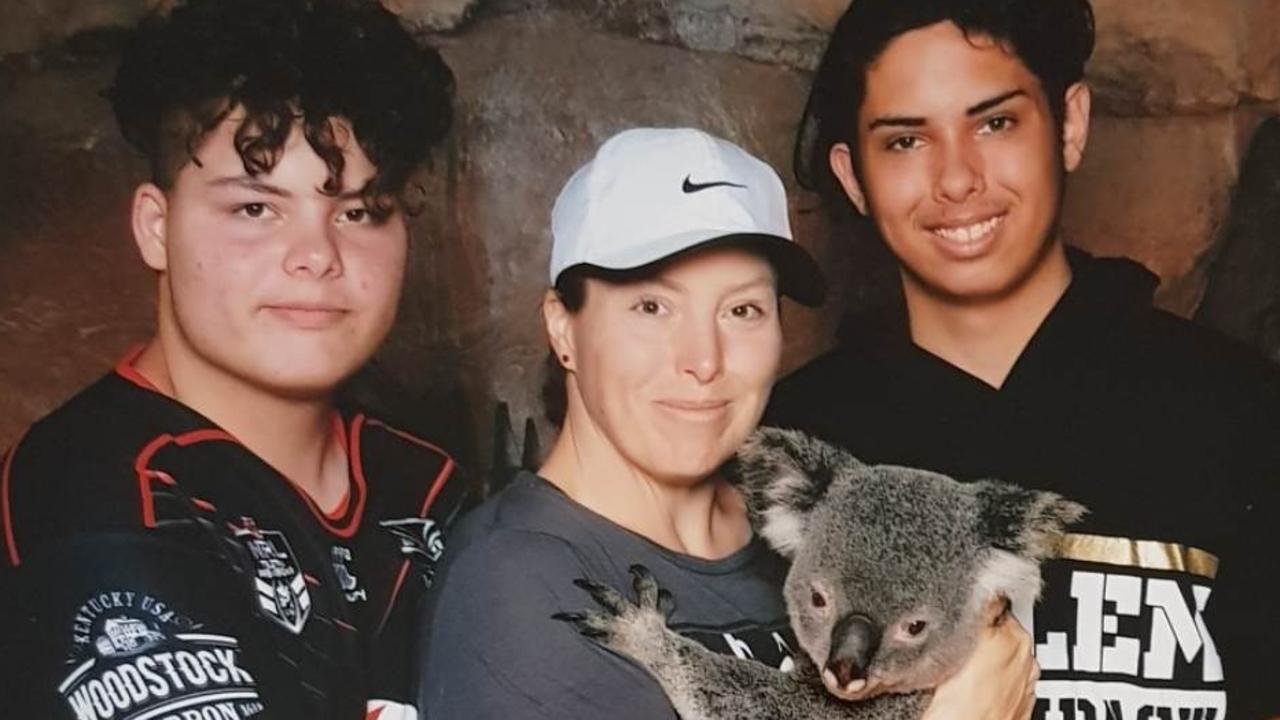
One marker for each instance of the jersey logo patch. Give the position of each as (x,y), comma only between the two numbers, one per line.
(421,541)
(281,589)
(126,636)
(347,580)
(135,657)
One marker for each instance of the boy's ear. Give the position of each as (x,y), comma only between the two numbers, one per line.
(556,317)
(841,159)
(1075,124)
(150,225)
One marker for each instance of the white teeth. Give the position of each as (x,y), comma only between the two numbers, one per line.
(969,233)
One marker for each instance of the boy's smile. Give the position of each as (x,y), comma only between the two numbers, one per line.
(961,165)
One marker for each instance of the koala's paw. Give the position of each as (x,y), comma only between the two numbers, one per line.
(639,629)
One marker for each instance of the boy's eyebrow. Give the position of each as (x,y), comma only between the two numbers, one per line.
(896,121)
(986,105)
(976,109)
(351,194)
(250,183)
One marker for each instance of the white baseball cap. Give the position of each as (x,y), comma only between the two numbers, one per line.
(650,193)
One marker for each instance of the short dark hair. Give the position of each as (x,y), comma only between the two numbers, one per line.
(283,62)
(1053,38)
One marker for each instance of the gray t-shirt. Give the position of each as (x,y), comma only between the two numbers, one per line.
(491,650)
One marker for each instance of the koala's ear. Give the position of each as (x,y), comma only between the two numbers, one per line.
(1022,521)
(782,475)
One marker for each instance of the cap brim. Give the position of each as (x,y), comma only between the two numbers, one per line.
(799,277)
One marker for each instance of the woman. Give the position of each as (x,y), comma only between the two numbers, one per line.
(671,249)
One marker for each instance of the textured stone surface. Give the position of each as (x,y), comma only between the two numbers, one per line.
(1243,295)
(1262,48)
(541,82)
(73,296)
(537,96)
(771,31)
(1168,56)
(27,25)
(432,15)
(1153,56)
(1155,189)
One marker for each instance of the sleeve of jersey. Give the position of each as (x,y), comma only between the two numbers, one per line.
(493,651)
(126,625)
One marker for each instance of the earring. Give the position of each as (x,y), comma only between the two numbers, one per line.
(564,358)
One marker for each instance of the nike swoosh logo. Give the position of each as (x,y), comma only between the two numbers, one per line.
(693,187)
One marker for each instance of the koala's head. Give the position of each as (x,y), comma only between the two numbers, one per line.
(892,568)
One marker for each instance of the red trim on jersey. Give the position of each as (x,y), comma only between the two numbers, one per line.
(340,510)
(345,625)
(436,486)
(146,474)
(125,369)
(395,593)
(411,438)
(6,513)
(311,580)
(356,487)
(204,505)
(329,519)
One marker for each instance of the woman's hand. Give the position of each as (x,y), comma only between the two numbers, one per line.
(997,682)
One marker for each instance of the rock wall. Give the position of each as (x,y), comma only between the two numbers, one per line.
(1180,86)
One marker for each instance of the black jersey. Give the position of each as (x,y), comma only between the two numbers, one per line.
(156,568)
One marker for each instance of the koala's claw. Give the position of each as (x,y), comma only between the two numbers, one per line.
(649,595)
(620,624)
(588,624)
(607,597)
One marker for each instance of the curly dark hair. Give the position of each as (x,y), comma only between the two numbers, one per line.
(1053,38)
(283,62)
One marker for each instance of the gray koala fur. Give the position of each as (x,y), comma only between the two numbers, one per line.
(892,571)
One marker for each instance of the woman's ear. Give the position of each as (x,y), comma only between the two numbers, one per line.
(559,325)
(150,225)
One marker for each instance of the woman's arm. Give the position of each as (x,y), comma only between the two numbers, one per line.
(494,651)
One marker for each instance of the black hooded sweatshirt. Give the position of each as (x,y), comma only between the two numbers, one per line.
(1164,602)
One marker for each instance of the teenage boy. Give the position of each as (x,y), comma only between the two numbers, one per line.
(951,125)
(203,533)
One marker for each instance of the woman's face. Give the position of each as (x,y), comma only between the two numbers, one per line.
(673,372)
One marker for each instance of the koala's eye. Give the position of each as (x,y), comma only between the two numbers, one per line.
(915,627)
(817,599)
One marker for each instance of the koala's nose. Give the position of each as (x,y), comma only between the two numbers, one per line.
(853,643)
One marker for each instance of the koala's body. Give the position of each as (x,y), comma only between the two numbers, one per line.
(892,572)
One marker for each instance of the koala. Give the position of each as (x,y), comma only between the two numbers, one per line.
(892,572)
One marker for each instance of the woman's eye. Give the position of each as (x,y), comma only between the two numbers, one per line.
(746,312)
(649,307)
(253,210)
